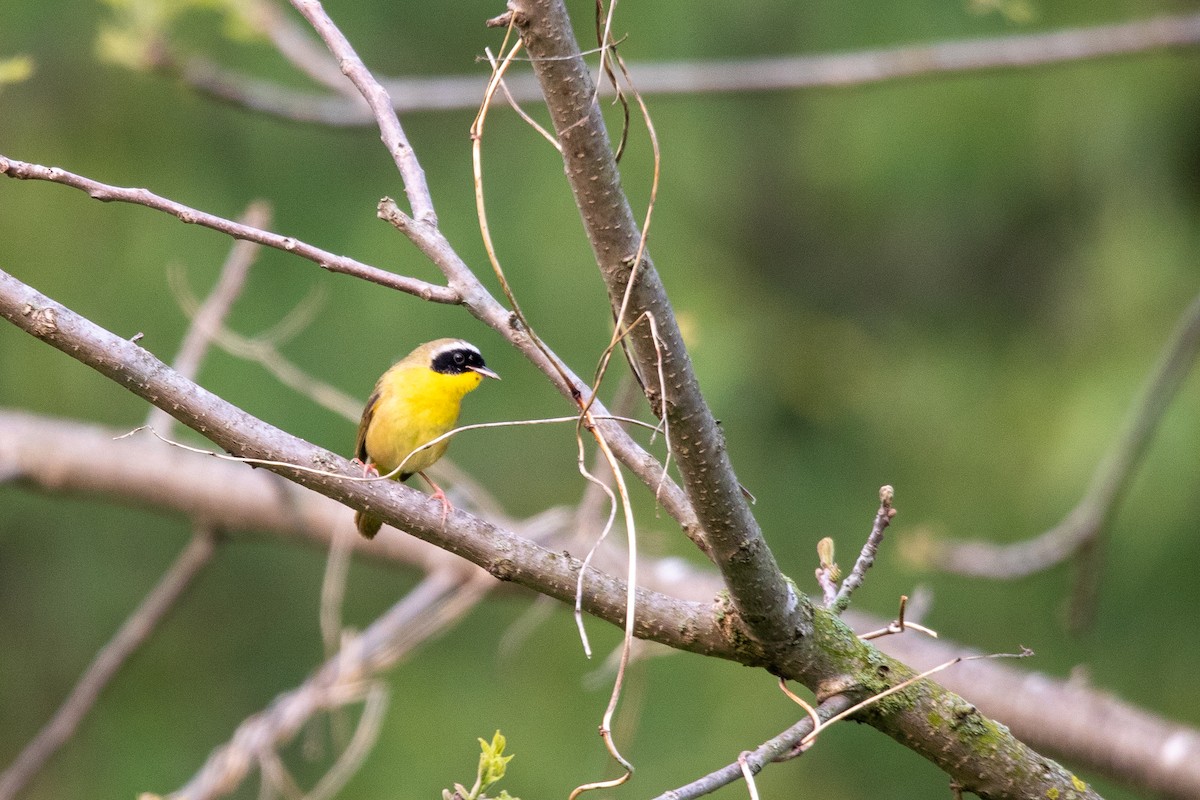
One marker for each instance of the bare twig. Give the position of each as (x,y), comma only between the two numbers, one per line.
(206,322)
(516,107)
(263,349)
(104,667)
(898,625)
(296,43)
(828,587)
(1088,519)
(833,70)
(867,557)
(630,617)
(390,130)
(322,258)
(773,749)
(333,588)
(748,774)
(426,611)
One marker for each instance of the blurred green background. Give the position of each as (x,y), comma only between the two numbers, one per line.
(954,285)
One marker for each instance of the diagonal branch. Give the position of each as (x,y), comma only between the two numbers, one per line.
(322,258)
(108,662)
(776,748)
(1080,722)
(390,131)
(761,593)
(206,323)
(464,289)
(507,556)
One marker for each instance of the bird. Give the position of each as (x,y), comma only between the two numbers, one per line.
(417,400)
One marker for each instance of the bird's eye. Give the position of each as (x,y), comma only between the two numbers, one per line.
(460,358)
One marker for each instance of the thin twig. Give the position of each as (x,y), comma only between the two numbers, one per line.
(263,349)
(296,43)
(143,197)
(828,586)
(515,106)
(267,462)
(355,753)
(333,588)
(777,747)
(748,774)
(898,625)
(104,667)
(207,320)
(390,130)
(867,557)
(875,698)
(770,74)
(426,611)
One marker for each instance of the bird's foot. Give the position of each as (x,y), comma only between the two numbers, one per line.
(447,507)
(368,468)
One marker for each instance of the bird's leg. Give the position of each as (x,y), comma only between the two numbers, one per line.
(368,468)
(438,494)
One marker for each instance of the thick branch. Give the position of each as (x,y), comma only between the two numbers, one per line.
(1081,723)
(760,592)
(1077,721)
(687,626)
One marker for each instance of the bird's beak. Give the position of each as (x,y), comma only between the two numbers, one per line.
(485,372)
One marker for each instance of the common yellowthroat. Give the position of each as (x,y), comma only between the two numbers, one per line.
(416,401)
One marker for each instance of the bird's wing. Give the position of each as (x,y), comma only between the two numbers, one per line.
(360,444)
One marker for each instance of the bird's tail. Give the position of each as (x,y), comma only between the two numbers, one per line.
(367,525)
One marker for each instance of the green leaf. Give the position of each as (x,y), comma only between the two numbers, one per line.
(492,761)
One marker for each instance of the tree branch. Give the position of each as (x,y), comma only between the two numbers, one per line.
(390,130)
(829,70)
(1083,724)
(687,626)
(143,197)
(763,597)
(775,748)
(464,289)
(108,662)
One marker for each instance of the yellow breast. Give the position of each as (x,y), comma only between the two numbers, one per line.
(415,405)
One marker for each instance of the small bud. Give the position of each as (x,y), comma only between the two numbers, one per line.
(825,554)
